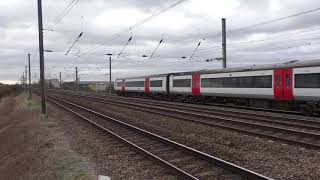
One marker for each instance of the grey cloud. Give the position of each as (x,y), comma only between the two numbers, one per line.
(18,28)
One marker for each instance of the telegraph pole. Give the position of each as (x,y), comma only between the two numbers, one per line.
(60,80)
(42,77)
(23,81)
(224,43)
(110,75)
(26,78)
(29,76)
(76,84)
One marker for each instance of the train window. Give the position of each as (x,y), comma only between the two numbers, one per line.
(156,83)
(230,82)
(307,80)
(262,81)
(119,84)
(278,82)
(245,82)
(135,84)
(238,82)
(211,82)
(182,83)
(288,81)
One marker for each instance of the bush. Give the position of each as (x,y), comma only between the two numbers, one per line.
(6,90)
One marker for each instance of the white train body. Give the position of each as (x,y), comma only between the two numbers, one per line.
(295,81)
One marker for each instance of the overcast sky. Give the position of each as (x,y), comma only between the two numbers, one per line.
(182,28)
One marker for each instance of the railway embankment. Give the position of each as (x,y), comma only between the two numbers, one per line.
(33,148)
(62,146)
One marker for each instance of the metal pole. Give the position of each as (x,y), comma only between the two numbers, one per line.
(76,84)
(110,75)
(60,80)
(29,77)
(42,78)
(23,81)
(224,43)
(26,76)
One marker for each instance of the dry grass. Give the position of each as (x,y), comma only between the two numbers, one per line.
(35,149)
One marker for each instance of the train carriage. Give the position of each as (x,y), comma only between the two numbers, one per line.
(151,85)
(306,83)
(290,85)
(253,84)
(157,85)
(180,84)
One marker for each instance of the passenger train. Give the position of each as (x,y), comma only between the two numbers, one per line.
(293,85)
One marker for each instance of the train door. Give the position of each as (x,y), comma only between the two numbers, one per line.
(196,84)
(278,87)
(283,84)
(147,86)
(123,86)
(168,84)
(171,84)
(288,89)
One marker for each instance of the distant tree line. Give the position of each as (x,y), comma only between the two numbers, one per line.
(6,90)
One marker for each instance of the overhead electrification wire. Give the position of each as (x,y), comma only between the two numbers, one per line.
(275,20)
(156,48)
(117,35)
(217,35)
(63,14)
(288,39)
(251,27)
(195,51)
(264,23)
(230,31)
(74,43)
(125,46)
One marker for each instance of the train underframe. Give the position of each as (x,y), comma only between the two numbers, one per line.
(307,108)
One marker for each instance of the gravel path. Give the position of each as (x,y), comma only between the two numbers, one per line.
(269,158)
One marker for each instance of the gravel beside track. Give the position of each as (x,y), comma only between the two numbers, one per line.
(266,157)
(189,163)
(306,136)
(111,158)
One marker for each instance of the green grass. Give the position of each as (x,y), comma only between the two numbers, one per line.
(82,176)
(52,125)
(23,101)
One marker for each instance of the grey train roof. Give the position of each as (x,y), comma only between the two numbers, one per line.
(290,64)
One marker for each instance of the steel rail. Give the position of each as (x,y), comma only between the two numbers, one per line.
(278,115)
(298,123)
(213,105)
(260,134)
(204,156)
(282,129)
(172,167)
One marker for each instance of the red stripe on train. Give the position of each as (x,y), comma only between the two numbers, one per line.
(196,85)
(123,86)
(147,86)
(283,84)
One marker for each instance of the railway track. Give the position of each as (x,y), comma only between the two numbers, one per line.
(187,162)
(272,129)
(276,119)
(213,105)
(218,108)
